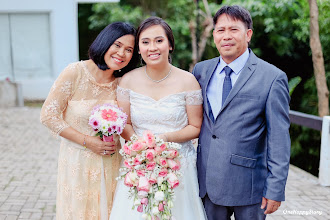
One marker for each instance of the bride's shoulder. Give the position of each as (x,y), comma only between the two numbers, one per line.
(188,80)
(128,79)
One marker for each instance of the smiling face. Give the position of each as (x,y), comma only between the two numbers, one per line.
(154,45)
(120,52)
(231,37)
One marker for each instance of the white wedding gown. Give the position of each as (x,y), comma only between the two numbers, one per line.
(165,115)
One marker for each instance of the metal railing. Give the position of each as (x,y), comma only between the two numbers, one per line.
(319,124)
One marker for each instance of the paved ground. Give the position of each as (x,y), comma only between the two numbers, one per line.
(28,166)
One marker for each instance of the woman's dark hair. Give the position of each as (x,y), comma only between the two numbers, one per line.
(237,13)
(103,42)
(151,21)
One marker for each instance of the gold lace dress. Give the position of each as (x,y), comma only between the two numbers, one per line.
(86,181)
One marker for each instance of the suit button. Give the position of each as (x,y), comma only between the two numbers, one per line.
(214,137)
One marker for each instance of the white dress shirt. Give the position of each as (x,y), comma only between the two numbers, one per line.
(215,86)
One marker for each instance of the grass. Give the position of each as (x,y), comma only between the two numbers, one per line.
(34,104)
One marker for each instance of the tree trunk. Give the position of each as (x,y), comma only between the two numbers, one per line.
(318,61)
(200,43)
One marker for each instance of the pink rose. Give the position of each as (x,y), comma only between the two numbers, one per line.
(149,138)
(162,173)
(138,146)
(150,154)
(144,201)
(153,179)
(137,160)
(173,164)
(142,194)
(127,164)
(163,162)
(158,150)
(130,179)
(144,184)
(161,207)
(172,179)
(140,172)
(126,149)
(172,153)
(140,208)
(151,165)
(163,147)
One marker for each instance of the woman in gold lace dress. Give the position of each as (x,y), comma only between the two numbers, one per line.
(87,166)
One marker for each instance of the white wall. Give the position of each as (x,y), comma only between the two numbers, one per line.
(63,39)
(63,27)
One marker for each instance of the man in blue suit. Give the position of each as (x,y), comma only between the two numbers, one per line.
(244,145)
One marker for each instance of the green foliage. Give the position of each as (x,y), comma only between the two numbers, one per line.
(305,146)
(293,83)
(309,102)
(276,21)
(106,13)
(280,36)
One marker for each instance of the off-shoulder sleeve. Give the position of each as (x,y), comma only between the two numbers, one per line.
(122,94)
(194,97)
(57,100)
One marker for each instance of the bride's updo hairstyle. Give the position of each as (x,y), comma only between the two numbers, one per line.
(151,21)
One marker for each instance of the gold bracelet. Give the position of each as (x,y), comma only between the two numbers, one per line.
(84,144)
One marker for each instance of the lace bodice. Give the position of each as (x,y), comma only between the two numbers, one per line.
(72,97)
(160,116)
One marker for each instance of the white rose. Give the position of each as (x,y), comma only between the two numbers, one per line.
(137,202)
(159,196)
(145,216)
(160,180)
(155,210)
(142,194)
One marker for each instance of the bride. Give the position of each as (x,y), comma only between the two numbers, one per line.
(167,101)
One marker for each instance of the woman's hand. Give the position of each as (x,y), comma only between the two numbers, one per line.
(164,137)
(100,147)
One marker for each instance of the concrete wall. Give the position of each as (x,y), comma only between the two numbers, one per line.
(10,94)
(63,27)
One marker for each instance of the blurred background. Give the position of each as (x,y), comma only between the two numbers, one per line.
(39,38)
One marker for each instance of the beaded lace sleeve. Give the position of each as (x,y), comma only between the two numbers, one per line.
(194,97)
(122,94)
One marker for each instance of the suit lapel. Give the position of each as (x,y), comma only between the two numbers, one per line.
(209,72)
(244,76)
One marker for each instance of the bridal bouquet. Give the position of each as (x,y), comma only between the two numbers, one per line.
(151,171)
(107,119)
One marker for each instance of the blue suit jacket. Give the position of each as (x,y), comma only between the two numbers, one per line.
(244,154)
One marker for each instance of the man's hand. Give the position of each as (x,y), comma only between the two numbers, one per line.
(272,205)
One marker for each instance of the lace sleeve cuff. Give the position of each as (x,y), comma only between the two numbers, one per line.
(194,97)
(122,94)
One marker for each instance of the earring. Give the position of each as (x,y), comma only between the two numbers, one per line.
(142,61)
(170,58)
(119,70)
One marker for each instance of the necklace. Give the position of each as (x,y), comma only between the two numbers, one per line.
(157,81)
